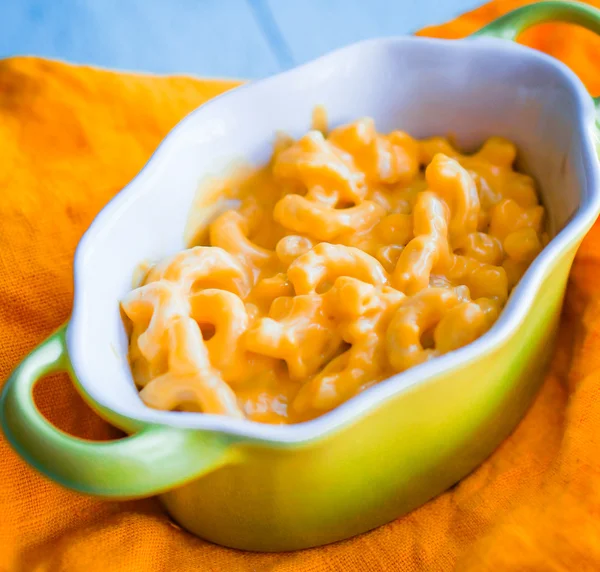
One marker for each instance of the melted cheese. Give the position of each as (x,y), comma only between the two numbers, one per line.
(349,257)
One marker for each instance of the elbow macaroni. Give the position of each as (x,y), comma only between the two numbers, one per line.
(351,257)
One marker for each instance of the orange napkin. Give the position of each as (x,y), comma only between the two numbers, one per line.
(70,138)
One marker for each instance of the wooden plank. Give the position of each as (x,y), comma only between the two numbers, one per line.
(314,27)
(272,33)
(210,37)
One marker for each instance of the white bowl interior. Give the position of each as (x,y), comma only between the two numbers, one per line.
(472,89)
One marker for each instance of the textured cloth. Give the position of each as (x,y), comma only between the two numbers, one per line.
(70,138)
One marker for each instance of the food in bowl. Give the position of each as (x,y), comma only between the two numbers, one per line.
(349,258)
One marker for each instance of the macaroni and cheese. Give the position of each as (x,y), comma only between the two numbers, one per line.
(350,257)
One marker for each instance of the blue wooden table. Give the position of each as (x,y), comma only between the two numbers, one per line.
(222,38)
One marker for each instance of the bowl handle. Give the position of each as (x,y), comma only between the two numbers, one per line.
(510,25)
(155,459)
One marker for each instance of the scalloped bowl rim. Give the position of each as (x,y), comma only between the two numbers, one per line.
(352,410)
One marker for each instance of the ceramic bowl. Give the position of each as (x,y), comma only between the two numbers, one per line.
(399,443)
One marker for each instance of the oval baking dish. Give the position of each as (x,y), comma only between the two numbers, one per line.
(399,443)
